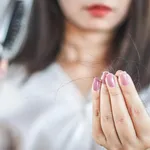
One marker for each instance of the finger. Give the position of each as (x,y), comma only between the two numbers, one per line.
(98,134)
(123,122)
(134,104)
(118,73)
(107,122)
(3,71)
(3,67)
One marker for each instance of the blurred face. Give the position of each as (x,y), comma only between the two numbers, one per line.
(95,14)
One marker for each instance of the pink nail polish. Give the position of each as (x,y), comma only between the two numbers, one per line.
(104,76)
(110,80)
(96,84)
(124,79)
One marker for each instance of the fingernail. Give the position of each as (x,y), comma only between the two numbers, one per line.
(124,79)
(110,80)
(119,71)
(96,84)
(104,76)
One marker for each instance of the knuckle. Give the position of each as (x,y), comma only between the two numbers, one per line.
(96,112)
(110,134)
(127,92)
(115,92)
(135,111)
(107,118)
(121,119)
(97,97)
(105,91)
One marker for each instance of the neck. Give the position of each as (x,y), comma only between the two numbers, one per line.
(85,46)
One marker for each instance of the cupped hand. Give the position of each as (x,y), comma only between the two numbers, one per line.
(120,121)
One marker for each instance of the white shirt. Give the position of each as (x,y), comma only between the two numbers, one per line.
(49,111)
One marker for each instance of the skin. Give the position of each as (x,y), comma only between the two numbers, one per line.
(77,14)
(87,39)
(120,121)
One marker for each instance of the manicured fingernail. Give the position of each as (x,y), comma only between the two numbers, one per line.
(110,80)
(96,84)
(124,79)
(104,76)
(119,71)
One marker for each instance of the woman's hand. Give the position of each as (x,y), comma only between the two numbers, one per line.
(3,68)
(120,121)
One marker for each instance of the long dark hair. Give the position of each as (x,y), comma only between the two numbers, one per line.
(130,49)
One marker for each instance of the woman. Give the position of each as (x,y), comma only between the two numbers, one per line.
(75,41)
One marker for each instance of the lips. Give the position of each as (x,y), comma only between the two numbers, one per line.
(99,10)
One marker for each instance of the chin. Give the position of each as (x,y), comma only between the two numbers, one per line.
(98,26)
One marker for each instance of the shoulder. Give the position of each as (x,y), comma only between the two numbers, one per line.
(17,73)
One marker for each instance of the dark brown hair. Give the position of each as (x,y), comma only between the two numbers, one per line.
(130,49)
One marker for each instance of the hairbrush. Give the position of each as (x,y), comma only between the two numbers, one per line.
(13,27)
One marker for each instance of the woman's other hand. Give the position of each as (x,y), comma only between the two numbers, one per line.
(3,68)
